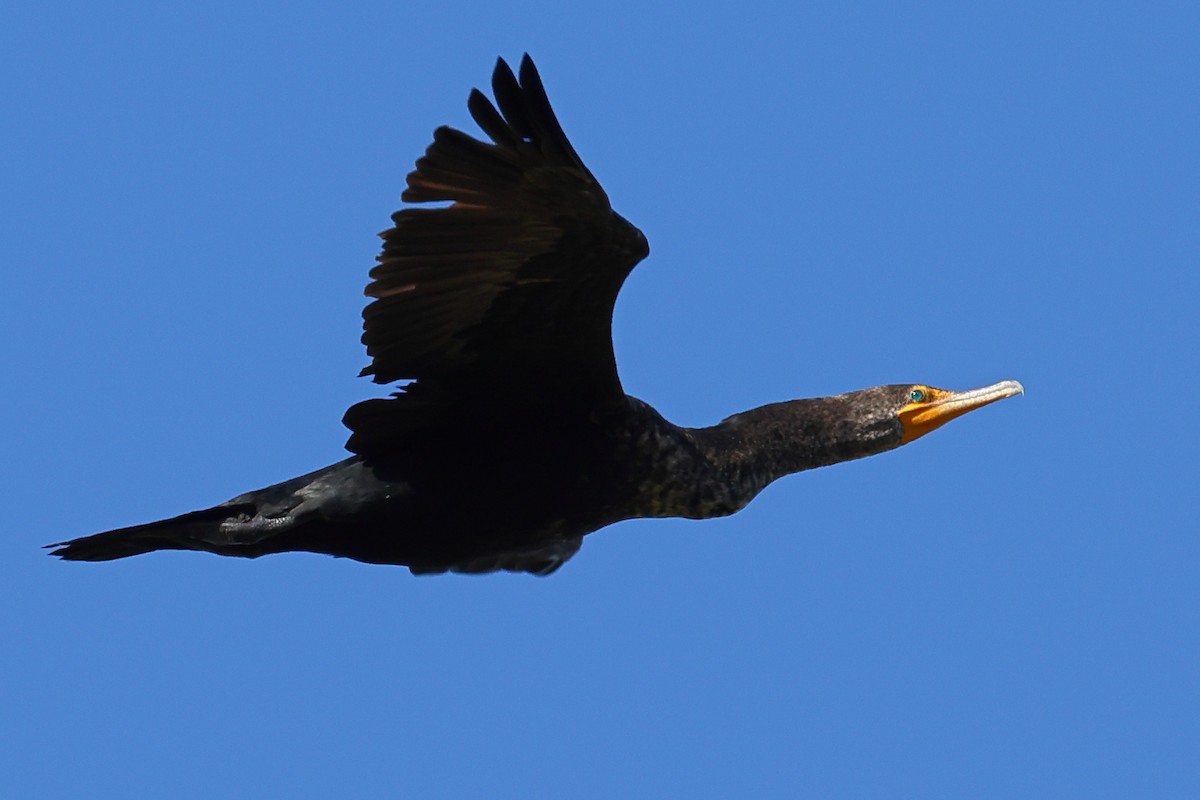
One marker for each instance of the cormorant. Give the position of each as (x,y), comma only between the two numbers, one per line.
(514,437)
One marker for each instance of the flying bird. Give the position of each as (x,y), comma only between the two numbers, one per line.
(513,437)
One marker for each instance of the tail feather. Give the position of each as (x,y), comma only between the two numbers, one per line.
(196,530)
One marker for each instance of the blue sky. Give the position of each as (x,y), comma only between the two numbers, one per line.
(836,196)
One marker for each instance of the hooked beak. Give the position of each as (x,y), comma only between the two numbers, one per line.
(940,406)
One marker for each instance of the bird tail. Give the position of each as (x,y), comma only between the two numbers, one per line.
(196,530)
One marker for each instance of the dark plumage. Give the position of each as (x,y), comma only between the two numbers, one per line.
(514,438)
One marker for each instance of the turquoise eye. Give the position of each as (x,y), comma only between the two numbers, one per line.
(917,395)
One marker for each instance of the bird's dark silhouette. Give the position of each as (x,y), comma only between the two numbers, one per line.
(514,438)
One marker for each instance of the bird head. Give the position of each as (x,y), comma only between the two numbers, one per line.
(922,408)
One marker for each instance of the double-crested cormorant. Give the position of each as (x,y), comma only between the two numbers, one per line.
(515,438)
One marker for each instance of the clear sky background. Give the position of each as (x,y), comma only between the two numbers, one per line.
(837,195)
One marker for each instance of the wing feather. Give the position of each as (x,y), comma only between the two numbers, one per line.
(504,298)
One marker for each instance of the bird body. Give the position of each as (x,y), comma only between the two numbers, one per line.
(515,438)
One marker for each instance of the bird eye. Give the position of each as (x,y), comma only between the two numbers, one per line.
(917,395)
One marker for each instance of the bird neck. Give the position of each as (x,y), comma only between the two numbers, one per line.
(715,471)
(748,451)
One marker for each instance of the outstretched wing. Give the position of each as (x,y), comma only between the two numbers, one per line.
(504,298)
